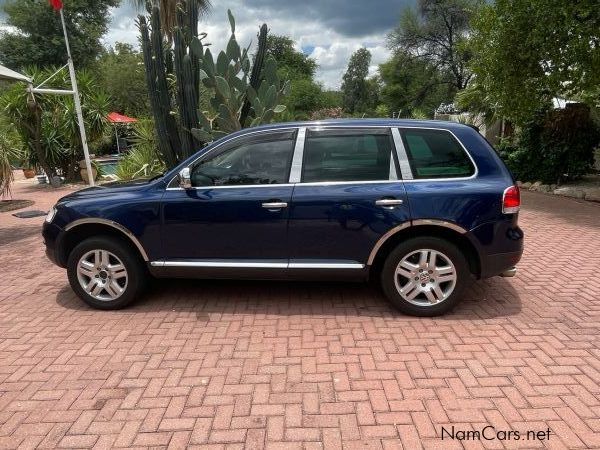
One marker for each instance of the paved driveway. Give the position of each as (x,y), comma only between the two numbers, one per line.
(292,365)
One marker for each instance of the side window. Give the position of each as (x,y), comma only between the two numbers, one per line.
(436,154)
(250,161)
(347,155)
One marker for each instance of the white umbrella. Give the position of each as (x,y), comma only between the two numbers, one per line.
(7,74)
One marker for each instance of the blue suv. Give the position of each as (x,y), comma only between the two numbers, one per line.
(422,206)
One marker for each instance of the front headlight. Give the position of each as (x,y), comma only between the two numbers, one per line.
(51,214)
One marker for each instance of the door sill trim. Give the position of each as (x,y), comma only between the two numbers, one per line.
(257,264)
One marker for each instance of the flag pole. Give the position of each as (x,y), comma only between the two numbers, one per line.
(86,153)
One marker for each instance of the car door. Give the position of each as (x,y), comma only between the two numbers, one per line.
(236,213)
(347,197)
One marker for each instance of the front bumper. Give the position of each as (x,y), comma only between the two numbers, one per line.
(51,232)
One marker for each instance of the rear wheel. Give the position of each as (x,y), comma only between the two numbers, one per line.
(425,276)
(105,273)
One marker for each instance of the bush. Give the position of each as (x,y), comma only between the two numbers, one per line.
(553,147)
(143,161)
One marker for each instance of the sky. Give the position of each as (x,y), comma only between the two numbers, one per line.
(327,30)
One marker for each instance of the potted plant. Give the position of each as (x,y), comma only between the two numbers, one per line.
(96,170)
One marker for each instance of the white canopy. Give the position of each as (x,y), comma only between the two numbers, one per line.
(7,74)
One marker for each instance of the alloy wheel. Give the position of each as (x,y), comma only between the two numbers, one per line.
(102,275)
(425,277)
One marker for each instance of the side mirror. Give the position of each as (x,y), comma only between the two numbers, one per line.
(185,178)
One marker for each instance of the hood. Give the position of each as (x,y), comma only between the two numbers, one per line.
(115,187)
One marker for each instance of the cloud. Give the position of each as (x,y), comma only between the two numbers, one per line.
(328,31)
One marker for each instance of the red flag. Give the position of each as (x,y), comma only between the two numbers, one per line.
(56,4)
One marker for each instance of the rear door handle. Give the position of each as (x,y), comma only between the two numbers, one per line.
(274,205)
(389,203)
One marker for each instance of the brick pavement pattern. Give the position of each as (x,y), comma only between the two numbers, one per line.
(210,364)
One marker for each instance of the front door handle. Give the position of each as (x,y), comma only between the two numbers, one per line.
(389,203)
(274,205)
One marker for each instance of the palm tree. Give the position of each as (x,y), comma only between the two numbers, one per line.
(168,11)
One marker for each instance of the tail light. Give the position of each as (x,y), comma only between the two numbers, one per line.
(511,200)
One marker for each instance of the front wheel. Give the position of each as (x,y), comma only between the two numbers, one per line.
(105,273)
(425,276)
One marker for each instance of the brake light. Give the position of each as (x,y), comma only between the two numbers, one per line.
(511,200)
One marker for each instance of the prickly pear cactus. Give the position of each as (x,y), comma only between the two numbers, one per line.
(227,78)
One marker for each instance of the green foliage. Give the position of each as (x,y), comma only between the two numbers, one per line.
(357,96)
(48,128)
(553,146)
(121,76)
(435,33)
(294,63)
(213,96)
(143,160)
(10,153)
(38,36)
(411,84)
(227,79)
(526,53)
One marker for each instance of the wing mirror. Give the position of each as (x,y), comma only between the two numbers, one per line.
(185,178)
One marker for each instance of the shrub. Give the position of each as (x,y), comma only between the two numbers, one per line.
(143,161)
(554,146)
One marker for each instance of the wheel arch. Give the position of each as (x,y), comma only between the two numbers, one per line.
(423,228)
(81,229)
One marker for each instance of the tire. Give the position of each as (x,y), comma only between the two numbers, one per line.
(412,289)
(115,281)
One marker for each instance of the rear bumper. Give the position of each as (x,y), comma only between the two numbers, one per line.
(500,264)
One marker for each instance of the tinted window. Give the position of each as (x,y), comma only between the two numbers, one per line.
(436,154)
(262,160)
(343,155)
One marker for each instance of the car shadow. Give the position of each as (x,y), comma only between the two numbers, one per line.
(17,233)
(486,299)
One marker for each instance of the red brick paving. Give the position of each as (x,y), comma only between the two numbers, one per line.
(304,365)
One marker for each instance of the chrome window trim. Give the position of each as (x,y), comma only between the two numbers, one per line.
(405,169)
(230,186)
(393,176)
(255,264)
(113,224)
(421,180)
(297,158)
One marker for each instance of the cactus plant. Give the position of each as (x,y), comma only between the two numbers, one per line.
(241,94)
(234,84)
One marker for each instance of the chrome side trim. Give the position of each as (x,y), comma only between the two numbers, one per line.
(222,264)
(405,169)
(384,238)
(112,224)
(326,266)
(256,265)
(296,169)
(440,223)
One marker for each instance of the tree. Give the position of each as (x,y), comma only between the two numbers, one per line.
(412,84)
(306,95)
(435,32)
(526,53)
(288,58)
(38,38)
(354,83)
(121,75)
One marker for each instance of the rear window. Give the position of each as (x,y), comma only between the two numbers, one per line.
(347,155)
(436,154)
